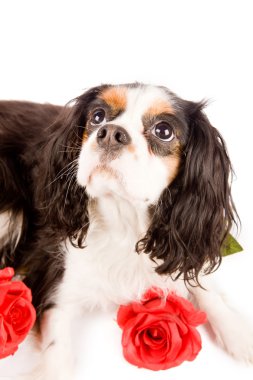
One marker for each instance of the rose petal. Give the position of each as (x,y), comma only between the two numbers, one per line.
(6,274)
(144,320)
(163,331)
(7,303)
(125,312)
(155,307)
(152,293)
(3,334)
(131,352)
(18,288)
(149,355)
(175,343)
(4,288)
(150,339)
(152,300)
(7,347)
(131,328)
(195,343)
(21,316)
(141,321)
(191,345)
(191,315)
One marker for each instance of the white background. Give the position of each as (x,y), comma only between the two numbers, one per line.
(50,51)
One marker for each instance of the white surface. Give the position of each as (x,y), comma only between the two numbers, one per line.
(52,50)
(98,348)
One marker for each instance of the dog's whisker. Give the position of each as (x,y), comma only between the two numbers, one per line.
(65,171)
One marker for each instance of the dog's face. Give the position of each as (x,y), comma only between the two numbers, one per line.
(148,146)
(133,141)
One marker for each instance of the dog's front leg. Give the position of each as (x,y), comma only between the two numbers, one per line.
(233,331)
(56,359)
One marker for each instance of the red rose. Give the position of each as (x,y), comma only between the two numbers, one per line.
(17,315)
(160,332)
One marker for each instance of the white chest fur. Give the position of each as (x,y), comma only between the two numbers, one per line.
(108,270)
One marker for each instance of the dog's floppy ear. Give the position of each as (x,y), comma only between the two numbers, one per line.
(195,213)
(61,200)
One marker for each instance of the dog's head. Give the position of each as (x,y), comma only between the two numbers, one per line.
(133,141)
(148,146)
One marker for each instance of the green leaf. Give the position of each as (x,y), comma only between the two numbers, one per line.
(230,246)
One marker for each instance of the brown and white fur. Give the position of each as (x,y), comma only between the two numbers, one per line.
(126,188)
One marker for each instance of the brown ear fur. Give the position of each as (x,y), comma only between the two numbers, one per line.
(195,213)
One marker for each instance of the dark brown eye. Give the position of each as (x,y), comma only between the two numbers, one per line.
(98,117)
(163,131)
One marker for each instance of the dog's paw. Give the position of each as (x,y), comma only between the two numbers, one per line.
(236,336)
(44,374)
(232,330)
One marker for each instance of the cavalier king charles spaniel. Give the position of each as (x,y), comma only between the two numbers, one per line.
(126,188)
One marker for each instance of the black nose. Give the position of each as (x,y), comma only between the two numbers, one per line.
(112,136)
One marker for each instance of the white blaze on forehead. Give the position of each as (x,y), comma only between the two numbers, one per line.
(139,100)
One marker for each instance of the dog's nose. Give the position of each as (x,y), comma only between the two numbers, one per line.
(112,136)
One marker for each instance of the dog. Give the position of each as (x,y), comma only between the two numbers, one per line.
(126,188)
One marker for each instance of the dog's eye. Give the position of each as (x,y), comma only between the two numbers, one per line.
(98,117)
(163,131)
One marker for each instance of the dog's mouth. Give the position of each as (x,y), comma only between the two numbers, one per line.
(104,171)
(104,180)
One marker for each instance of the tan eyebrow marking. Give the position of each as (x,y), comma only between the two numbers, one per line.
(159,107)
(115,97)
